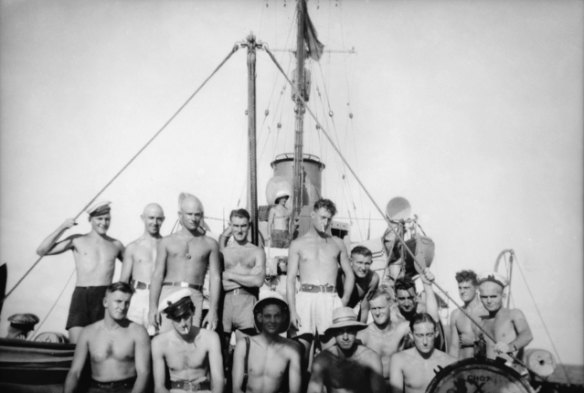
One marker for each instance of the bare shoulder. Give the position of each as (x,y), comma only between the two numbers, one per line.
(445,358)
(339,242)
(291,347)
(516,313)
(207,337)
(137,330)
(160,341)
(210,242)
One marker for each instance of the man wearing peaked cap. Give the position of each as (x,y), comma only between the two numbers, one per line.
(21,325)
(262,363)
(347,366)
(191,355)
(95,254)
(508,327)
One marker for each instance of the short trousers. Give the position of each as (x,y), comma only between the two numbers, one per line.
(196,297)
(86,306)
(122,386)
(138,310)
(315,310)
(280,238)
(238,310)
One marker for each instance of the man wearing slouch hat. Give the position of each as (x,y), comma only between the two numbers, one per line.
(95,254)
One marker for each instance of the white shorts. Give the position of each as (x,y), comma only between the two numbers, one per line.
(315,310)
(138,310)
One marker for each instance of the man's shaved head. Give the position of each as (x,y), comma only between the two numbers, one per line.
(153,208)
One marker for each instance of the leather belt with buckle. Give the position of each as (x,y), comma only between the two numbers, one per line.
(317,288)
(140,284)
(183,284)
(190,386)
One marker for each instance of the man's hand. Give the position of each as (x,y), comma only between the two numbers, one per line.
(295,320)
(427,276)
(501,348)
(154,318)
(68,223)
(210,321)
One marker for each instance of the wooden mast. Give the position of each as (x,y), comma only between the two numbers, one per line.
(251,132)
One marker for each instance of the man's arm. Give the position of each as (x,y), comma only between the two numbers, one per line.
(237,371)
(431,302)
(121,250)
(373,285)
(294,373)
(141,358)
(210,321)
(215,363)
(454,342)
(79,358)
(223,237)
(156,282)
(158,365)
(316,383)
(349,282)
(49,246)
(255,277)
(396,376)
(377,380)
(522,330)
(293,257)
(127,264)
(271,218)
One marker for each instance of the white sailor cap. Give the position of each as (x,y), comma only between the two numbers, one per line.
(99,208)
(281,194)
(492,277)
(174,299)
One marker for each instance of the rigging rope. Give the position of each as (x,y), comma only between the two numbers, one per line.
(233,50)
(55,303)
(401,240)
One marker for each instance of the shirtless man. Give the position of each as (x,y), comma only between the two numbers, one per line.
(412,370)
(245,271)
(383,335)
(508,327)
(366,281)
(192,355)
(347,366)
(316,257)
(267,361)
(279,221)
(462,336)
(118,349)
(139,264)
(95,254)
(182,260)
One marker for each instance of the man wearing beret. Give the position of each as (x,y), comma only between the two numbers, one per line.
(95,254)
(192,355)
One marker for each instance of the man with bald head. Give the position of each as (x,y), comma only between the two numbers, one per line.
(182,261)
(138,264)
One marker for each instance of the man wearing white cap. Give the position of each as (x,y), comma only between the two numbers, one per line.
(267,362)
(347,366)
(139,264)
(191,355)
(95,254)
(182,261)
(279,220)
(508,327)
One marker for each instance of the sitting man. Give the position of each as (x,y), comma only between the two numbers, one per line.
(192,355)
(412,370)
(383,335)
(347,366)
(508,327)
(265,362)
(366,282)
(119,350)
(462,335)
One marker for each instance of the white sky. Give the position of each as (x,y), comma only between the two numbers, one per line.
(471,110)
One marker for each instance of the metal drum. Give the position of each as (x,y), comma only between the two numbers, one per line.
(478,376)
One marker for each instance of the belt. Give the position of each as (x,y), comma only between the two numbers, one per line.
(124,383)
(139,284)
(183,284)
(242,290)
(317,288)
(190,386)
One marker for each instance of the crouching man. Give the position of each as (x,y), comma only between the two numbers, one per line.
(192,355)
(118,350)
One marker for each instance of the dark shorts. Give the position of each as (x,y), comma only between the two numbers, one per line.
(86,306)
(123,386)
(280,238)
(238,309)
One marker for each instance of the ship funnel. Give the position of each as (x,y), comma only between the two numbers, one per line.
(283,166)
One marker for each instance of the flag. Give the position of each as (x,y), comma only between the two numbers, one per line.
(315,47)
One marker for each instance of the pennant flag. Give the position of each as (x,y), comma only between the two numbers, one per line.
(315,47)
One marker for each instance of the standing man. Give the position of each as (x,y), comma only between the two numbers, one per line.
(347,366)
(138,265)
(245,271)
(383,335)
(508,327)
(316,257)
(462,336)
(279,221)
(182,261)
(366,282)
(95,254)
(265,362)
(191,355)
(118,349)
(412,370)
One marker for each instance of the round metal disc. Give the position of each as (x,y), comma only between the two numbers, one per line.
(398,208)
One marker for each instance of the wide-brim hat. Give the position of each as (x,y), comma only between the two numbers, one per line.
(281,194)
(344,317)
(493,277)
(177,303)
(259,306)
